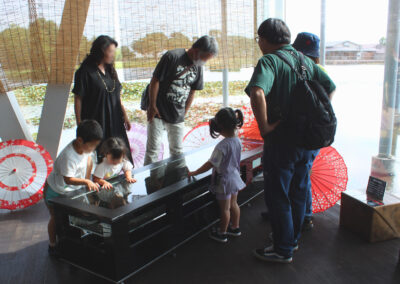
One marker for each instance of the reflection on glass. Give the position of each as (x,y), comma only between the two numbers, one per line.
(153,178)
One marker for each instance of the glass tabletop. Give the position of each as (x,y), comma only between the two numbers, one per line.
(152,178)
(365,198)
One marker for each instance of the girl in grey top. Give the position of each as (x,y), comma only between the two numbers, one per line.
(225,162)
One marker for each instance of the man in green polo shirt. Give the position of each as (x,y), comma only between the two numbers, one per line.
(286,166)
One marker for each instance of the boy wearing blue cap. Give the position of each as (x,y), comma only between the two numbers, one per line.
(308,44)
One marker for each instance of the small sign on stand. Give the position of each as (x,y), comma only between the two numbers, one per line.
(376,189)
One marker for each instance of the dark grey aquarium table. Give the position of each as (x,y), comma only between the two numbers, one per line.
(119,233)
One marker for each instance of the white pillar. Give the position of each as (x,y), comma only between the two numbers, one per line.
(274,9)
(322,35)
(225,58)
(390,78)
(384,162)
(12,122)
(52,118)
(280,9)
(198,18)
(117,33)
(268,9)
(225,87)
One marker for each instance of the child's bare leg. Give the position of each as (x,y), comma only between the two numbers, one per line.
(235,212)
(224,206)
(51,228)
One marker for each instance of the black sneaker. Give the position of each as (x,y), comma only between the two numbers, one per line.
(219,237)
(233,232)
(270,255)
(53,251)
(308,224)
(271,248)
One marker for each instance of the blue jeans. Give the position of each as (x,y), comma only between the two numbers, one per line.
(287,181)
(309,194)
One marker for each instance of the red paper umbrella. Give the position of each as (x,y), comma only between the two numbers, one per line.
(24,168)
(249,129)
(328,179)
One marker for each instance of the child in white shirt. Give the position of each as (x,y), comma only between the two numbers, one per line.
(72,170)
(114,161)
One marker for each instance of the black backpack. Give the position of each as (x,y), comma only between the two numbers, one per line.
(310,121)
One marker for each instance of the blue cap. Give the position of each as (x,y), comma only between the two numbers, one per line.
(307,43)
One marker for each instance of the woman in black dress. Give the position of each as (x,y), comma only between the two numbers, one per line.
(97,91)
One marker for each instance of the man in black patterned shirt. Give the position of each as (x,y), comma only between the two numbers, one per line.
(177,76)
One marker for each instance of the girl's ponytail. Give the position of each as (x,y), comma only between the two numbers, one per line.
(226,119)
(239,118)
(214,129)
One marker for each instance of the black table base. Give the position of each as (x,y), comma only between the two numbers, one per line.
(117,245)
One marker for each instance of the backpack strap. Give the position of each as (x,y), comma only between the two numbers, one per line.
(304,66)
(303,74)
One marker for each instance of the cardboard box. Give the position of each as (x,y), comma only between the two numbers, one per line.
(372,223)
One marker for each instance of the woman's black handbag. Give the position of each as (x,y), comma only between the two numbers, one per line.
(144,101)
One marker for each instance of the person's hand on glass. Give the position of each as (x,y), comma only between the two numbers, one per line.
(107,185)
(92,186)
(191,174)
(128,177)
(131,179)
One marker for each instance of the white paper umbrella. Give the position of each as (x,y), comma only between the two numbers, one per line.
(24,168)
(200,136)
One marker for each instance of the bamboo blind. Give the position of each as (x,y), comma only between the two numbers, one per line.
(44,41)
